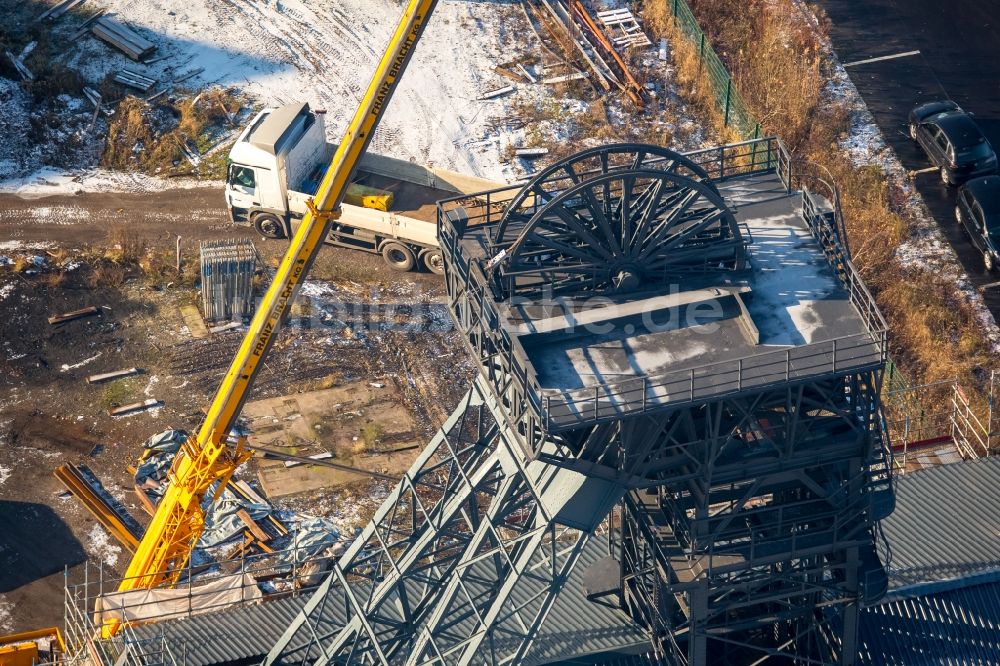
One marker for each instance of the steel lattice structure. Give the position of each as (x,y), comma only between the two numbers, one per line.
(744,494)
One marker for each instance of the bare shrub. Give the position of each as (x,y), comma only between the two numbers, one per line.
(54,279)
(125,245)
(106,275)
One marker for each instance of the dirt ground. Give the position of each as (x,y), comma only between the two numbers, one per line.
(356,320)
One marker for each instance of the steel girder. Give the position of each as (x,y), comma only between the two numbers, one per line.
(763,502)
(757,548)
(430,580)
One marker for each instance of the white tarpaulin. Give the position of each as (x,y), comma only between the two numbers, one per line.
(165,603)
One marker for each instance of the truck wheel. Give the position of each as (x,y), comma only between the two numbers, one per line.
(398,256)
(434,262)
(269,225)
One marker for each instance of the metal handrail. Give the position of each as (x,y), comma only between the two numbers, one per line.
(728,376)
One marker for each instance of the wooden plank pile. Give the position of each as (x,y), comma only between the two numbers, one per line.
(132,79)
(19,65)
(123,38)
(59,9)
(623,28)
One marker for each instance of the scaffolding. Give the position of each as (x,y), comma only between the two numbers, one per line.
(142,641)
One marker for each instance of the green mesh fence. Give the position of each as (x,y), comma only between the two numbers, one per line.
(734,109)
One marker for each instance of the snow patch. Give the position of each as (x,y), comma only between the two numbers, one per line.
(49,181)
(324,53)
(5,473)
(66,366)
(6,615)
(99,545)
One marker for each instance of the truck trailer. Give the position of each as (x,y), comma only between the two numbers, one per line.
(275,168)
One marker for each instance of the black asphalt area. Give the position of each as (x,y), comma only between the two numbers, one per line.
(959,59)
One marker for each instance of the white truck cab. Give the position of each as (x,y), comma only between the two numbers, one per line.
(279,159)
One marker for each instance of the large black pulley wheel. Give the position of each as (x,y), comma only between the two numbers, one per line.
(269,225)
(398,256)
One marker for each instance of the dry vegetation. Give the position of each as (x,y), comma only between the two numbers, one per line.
(775,54)
(152,137)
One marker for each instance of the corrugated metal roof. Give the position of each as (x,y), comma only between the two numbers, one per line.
(574,627)
(613,659)
(946,523)
(959,625)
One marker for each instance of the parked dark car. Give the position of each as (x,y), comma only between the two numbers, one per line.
(978,210)
(953,141)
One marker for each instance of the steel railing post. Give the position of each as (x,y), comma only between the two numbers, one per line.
(729,90)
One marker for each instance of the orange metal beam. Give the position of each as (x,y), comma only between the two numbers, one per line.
(633,88)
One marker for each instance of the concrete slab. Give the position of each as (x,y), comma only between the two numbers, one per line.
(193,321)
(359,424)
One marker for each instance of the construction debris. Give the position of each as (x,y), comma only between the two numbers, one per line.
(227,270)
(320,459)
(623,28)
(531,153)
(222,328)
(238,510)
(108,376)
(135,407)
(87,488)
(135,80)
(318,456)
(59,9)
(562,22)
(564,78)
(92,95)
(499,92)
(123,38)
(75,314)
(528,75)
(20,67)
(185,77)
(85,28)
(624,78)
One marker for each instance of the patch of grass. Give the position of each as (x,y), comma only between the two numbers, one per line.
(116,394)
(371,435)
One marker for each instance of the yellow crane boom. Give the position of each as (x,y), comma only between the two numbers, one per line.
(208,456)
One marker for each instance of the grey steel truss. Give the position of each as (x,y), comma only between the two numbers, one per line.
(743,497)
